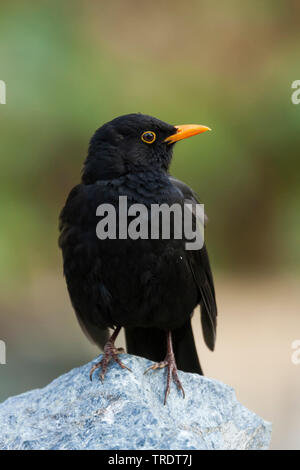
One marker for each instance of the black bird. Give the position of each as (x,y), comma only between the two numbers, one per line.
(148,286)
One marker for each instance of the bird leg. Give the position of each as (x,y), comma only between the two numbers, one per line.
(109,352)
(170,363)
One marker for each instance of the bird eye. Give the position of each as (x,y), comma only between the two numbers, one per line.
(148,137)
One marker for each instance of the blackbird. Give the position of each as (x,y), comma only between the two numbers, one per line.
(148,286)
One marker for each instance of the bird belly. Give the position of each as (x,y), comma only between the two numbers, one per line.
(152,286)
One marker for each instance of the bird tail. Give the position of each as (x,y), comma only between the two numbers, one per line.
(151,344)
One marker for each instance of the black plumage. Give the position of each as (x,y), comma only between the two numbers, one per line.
(150,287)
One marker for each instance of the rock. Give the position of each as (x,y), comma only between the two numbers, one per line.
(127,412)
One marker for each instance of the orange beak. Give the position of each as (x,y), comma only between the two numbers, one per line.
(184,131)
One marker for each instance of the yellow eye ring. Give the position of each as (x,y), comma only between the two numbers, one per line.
(148,137)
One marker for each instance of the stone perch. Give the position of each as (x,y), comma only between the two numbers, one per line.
(127,412)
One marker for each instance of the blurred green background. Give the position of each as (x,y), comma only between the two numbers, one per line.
(71,66)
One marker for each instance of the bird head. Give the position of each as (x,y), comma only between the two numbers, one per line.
(133,143)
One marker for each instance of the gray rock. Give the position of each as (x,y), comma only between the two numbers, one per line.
(127,412)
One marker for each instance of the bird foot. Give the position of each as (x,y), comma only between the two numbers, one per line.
(110,353)
(170,363)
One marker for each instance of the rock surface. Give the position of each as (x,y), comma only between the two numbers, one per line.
(127,412)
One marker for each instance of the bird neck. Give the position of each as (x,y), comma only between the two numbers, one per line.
(112,169)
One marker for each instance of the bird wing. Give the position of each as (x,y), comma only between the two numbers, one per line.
(200,267)
(82,265)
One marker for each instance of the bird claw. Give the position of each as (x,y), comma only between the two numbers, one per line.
(110,353)
(170,363)
(158,365)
